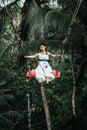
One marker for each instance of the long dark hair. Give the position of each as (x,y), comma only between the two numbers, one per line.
(43,45)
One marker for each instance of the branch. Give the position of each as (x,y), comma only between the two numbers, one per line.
(3,83)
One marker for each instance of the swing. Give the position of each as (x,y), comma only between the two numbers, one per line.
(32,74)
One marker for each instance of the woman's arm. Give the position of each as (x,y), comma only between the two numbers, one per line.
(31,56)
(53,55)
(50,54)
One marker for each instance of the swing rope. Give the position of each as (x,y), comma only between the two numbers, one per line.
(72,21)
(67,35)
(13,22)
(64,42)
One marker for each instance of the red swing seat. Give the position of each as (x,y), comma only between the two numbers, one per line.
(32,74)
(56,74)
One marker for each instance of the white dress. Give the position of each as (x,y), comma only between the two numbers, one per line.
(43,69)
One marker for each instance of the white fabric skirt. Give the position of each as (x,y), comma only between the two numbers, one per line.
(44,70)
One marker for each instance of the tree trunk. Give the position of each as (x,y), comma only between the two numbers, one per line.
(47,114)
(73,90)
(29,112)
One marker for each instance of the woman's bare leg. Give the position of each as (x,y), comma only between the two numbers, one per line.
(40,80)
(47,80)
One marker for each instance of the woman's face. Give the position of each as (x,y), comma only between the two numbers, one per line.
(42,48)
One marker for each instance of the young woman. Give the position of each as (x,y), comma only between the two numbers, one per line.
(43,70)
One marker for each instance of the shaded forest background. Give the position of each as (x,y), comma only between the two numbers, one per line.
(22,29)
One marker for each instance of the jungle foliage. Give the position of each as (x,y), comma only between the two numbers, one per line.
(21,31)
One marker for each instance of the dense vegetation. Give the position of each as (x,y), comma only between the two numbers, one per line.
(21,31)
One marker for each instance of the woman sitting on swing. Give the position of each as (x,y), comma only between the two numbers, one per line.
(43,70)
